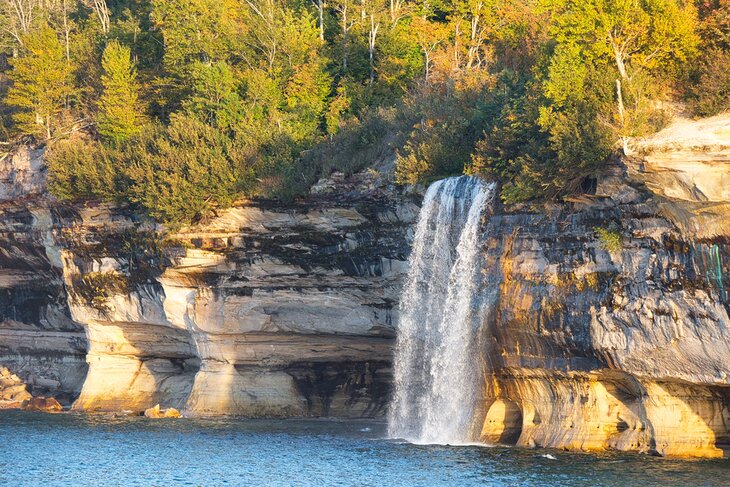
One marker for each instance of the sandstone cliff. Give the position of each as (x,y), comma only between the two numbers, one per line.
(267,310)
(264,311)
(607,324)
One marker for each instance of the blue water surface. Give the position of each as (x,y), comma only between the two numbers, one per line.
(77,450)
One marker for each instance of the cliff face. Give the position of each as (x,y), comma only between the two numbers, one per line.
(265,311)
(607,324)
(39,342)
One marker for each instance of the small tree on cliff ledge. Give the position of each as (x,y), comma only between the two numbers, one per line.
(120,114)
(41,83)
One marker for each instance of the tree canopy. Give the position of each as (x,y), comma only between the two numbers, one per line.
(181,107)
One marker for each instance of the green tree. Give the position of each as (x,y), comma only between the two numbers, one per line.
(16,21)
(214,97)
(196,30)
(400,60)
(634,38)
(708,82)
(41,83)
(120,111)
(288,87)
(306,94)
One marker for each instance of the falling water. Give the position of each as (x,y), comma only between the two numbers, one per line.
(436,372)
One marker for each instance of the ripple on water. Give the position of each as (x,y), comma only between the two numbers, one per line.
(51,450)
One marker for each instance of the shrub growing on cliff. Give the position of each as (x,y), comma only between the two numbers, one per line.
(354,147)
(177,175)
(80,168)
(183,173)
(610,240)
(96,288)
(449,120)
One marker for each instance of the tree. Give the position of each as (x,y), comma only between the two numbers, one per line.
(41,83)
(480,19)
(431,36)
(644,37)
(214,97)
(348,20)
(289,83)
(306,94)
(714,26)
(120,112)
(400,58)
(319,5)
(708,83)
(195,30)
(16,20)
(102,13)
(66,29)
(374,11)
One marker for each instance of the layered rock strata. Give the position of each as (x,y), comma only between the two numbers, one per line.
(265,311)
(607,319)
(39,342)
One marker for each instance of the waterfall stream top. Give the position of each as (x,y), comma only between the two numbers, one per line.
(436,366)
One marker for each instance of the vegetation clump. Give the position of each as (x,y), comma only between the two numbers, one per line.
(96,288)
(610,240)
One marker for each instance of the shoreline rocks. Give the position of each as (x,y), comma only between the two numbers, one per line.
(13,391)
(156,413)
(42,405)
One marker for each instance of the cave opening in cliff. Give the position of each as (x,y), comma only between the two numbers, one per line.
(503,423)
(589,185)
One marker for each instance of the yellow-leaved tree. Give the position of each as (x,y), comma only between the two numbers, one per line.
(41,83)
(120,112)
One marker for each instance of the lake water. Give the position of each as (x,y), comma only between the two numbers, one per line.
(75,450)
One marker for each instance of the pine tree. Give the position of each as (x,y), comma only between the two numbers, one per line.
(41,83)
(120,114)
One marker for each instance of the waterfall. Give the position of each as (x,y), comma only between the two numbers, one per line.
(436,367)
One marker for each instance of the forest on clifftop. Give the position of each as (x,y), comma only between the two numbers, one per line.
(182,107)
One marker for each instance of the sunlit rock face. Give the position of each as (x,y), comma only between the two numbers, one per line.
(590,340)
(607,324)
(606,409)
(266,310)
(39,342)
(687,167)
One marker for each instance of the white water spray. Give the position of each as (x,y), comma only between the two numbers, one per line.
(436,370)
